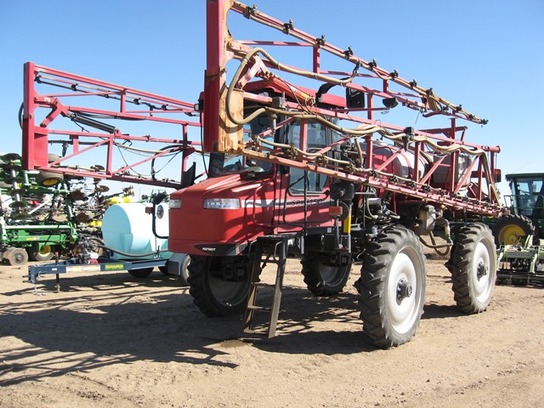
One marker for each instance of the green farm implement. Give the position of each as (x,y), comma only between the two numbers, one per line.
(520,236)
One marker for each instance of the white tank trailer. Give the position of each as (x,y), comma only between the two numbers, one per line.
(128,230)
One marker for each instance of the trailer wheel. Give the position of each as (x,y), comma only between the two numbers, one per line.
(49,178)
(509,229)
(325,274)
(16,256)
(392,287)
(219,285)
(44,253)
(184,276)
(141,273)
(184,272)
(473,265)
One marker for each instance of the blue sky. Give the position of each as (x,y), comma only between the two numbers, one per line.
(487,55)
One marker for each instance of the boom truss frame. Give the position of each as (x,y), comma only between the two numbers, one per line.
(45,117)
(470,188)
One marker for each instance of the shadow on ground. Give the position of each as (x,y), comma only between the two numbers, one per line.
(117,319)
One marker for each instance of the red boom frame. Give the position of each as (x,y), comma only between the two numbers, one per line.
(59,111)
(471,188)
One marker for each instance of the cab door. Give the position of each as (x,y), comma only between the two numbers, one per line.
(303,196)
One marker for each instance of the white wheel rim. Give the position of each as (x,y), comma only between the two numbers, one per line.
(482,283)
(403,312)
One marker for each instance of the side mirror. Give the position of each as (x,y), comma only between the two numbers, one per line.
(342,190)
(188,177)
(355,98)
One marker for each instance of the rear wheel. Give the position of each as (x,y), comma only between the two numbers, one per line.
(49,178)
(473,265)
(392,287)
(219,285)
(325,274)
(509,229)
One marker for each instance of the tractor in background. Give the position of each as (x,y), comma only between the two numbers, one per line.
(520,236)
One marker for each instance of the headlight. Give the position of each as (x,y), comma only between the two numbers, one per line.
(174,203)
(222,203)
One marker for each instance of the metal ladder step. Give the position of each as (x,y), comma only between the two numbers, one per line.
(259,308)
(268,249)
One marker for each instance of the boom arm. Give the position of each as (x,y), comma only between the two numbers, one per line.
(470,187)
(84,117)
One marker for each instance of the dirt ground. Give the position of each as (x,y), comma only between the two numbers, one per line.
(109,340)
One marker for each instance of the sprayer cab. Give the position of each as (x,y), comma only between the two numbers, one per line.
(527,198)
(245,197)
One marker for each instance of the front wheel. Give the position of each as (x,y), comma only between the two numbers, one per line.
(219,285)
(49,178)
(16,256)
(473,266)
(392,287)
(325,274)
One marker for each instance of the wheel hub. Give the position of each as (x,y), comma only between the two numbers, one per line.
(404,289)
(481,270)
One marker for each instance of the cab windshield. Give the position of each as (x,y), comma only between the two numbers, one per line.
(221,163)
(318,136)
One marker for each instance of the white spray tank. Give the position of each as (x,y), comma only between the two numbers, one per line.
(128,228)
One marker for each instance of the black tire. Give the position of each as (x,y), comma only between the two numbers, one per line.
(508,229)
(16,256)
(392,287)
(219,285)
(49,178)
(141,273)
(473,266)
(44,253)
(325,274)
(51,157)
